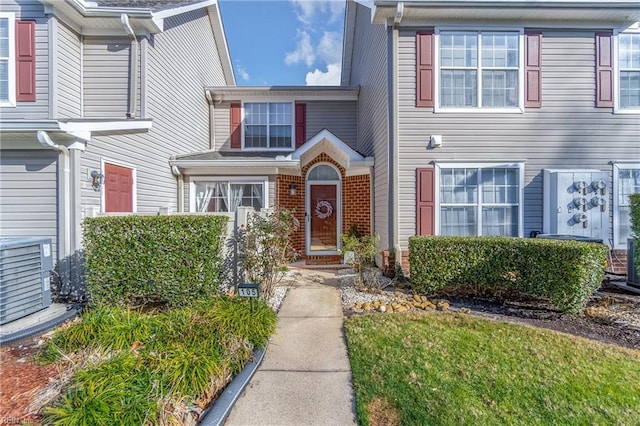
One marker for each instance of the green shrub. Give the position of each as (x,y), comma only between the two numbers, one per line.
(265,248)
(565,272)
(635,227)
(363,250)
(136,260)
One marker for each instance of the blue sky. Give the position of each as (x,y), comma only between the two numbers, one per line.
(284,42)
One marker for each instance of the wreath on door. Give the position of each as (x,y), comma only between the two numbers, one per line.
(323,209)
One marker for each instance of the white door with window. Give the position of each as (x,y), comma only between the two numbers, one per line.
(323,211)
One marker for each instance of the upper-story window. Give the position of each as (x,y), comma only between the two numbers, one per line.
(629,70)
(7,60)
(479,69)
(268,125)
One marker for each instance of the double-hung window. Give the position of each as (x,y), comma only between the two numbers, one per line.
(7,60)
(480,200)
(629,70)
(480,69)
(268,125)
(227,195)
(626,181)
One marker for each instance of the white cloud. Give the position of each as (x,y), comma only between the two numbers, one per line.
(321,78)
(304,51)
(242,72)
(308,10)
(330,47)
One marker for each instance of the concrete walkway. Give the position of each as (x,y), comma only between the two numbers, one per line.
(305,377)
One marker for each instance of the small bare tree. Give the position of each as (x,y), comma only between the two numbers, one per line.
(265,248)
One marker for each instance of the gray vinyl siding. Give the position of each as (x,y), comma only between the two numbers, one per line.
(368,70)
(38,110)
(181,61)
(339,117)
(106,77)
(566,133)
(69,73)
(28,199)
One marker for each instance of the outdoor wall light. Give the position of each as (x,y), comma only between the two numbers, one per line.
(97,179)
(293,189)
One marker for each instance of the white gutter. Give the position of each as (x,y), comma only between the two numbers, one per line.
(212,129)
(65,193)
(235,163)
(133,69)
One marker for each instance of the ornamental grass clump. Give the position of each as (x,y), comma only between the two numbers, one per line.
(138,367)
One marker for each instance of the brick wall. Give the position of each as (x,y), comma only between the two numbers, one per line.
(356,202)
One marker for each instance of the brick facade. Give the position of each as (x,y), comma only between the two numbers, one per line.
(356,204)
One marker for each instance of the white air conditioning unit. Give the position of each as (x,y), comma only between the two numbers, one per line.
(25,273)
(576,203)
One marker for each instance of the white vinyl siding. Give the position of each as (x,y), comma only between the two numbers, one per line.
(7,60)
(225,195)
(626,181)
(480,200)
(268,125)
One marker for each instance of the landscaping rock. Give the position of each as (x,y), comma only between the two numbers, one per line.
(442,306)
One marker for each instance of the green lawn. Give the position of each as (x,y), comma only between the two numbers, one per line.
(452,369)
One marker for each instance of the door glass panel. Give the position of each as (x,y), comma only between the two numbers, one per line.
(323,210)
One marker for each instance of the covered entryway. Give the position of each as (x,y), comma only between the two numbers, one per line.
(323,210)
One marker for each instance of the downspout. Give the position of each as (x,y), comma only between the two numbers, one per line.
(133,68)
(212,129)
(395,186)
(45,141)
(175,170)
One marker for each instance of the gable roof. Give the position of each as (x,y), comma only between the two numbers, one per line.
(103,18)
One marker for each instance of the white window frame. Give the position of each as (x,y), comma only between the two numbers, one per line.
(134,189)
(480,109)
(479,165)
(634,29)
(262,180)
(11,102)
(617,166)
(293,125)
(307,203)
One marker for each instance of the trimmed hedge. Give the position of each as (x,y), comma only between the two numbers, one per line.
(635,227)
(565,272)
(133,260)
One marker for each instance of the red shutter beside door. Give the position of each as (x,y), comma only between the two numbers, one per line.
(424,69)
(604,70)
(25,61)
(301,124)
(236,130)
(425,198)
(532,68)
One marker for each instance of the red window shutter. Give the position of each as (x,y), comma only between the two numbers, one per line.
(301,124)
(604,70)
(236,130)
(425,197)
(25,61)
(424,72)
(532,68)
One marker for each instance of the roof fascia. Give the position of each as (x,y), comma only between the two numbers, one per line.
(215,17)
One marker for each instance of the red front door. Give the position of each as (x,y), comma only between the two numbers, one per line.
(118,187)
(324,213)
